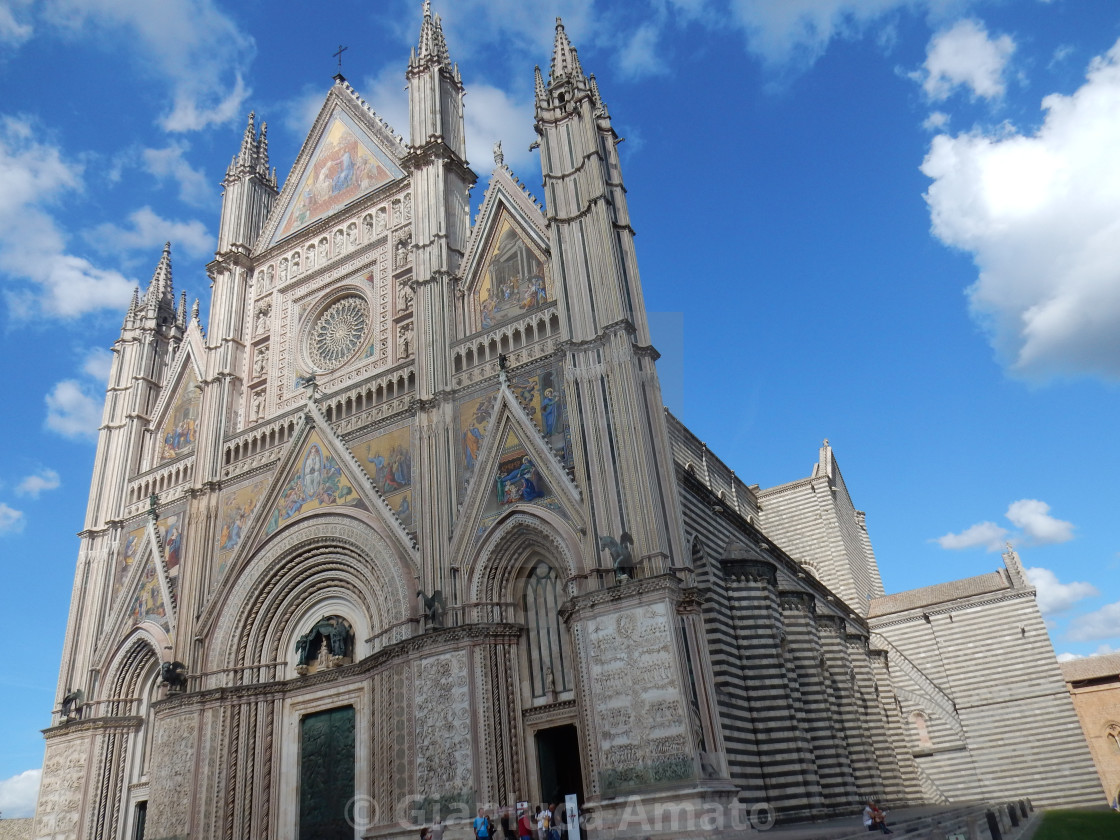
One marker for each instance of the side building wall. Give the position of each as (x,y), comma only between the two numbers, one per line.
(981,694)
(1094,686)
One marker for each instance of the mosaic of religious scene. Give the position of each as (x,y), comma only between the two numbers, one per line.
(474,418)
(517,480)
(178,433)
(318,482)
(342,168)
(513,281)
(148,604)
(171,535)
(388,462)
(132,544)
(542,397)
(233,517)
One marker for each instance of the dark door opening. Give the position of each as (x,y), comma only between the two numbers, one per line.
(326,774)
(141,818)
(558,761)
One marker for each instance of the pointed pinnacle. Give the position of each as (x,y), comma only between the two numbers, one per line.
(181,314)
(538,83)
(262,149)
(161,277)
(194,310)
(248,142)
(561,53)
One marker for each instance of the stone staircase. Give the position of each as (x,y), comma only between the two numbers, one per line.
(961,821)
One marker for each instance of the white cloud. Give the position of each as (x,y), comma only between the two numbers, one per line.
(964,56)
(33,485)
(1034,518)
(13,31)
(149,231)
(522,29)
(986,534)
(19,793)
(1069,657)
(298,113)
(1055,596)
(1040,215)
(1100,624)
(640,56)
(170,164)
(97,364)
(72,411)
(11,520)
(492,114)
(192,43)
(936,121)
(32,248)
(799,31)
(386,94)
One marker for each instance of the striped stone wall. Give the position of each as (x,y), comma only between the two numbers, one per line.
(978,668)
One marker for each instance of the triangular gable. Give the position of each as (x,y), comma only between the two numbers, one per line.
(142,586)
(315,481)
(349,153)
(516,467)
(317,473)
(387,461)
(177,410)
(506,268)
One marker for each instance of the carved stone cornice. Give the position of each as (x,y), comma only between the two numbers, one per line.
(799,601)
(99,725)
(754,570)
(832,624)
(632,590)
(502,634)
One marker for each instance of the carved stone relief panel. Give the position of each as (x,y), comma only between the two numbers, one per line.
(636,700)
(172,777)
(61,790)
(443,726)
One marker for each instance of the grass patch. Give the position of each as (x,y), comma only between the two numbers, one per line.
(1079,825)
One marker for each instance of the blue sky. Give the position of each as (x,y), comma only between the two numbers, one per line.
(892,224)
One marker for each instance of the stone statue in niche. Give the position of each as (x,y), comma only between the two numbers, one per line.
(269,276)
(310,259)
(260,361)
(404,253)
(328,645)
(367,227)
(397,217)
(380,216)
(351,235)
(407,206)
(295,264)
(256,413)
(264,311)
(284,270)
(323,255)
(404,340)
(339,239)
(404,296)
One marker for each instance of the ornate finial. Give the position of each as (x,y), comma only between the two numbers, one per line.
(499,157)
(338,55)
(825,442)
(194,310)
(427,8)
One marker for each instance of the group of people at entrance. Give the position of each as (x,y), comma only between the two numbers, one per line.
(545,824)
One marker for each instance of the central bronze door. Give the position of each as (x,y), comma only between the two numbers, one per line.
(326,774)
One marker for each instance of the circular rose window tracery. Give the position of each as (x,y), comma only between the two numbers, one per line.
(337,332)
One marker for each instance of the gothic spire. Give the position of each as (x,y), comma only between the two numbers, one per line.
(245,157)
(431,47)
(261,156)
(564,58)
(538,83)
(160,287)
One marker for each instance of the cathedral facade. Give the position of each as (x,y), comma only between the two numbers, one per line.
(406,531)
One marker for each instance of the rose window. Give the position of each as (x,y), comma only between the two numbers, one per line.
(338,332)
